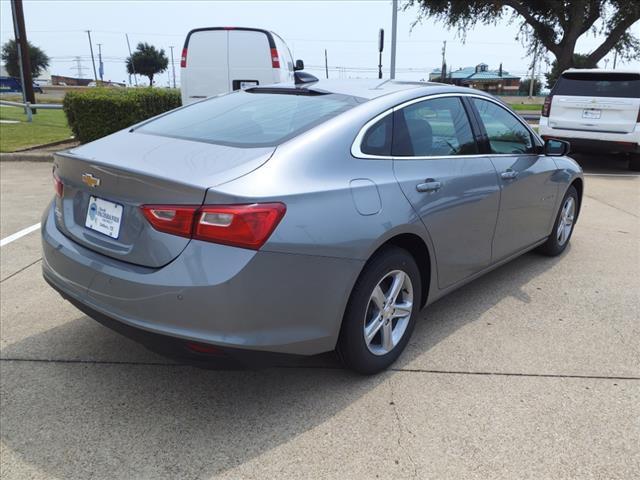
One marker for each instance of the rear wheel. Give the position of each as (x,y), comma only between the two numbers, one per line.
(563,227)
(634,162)
(381,312)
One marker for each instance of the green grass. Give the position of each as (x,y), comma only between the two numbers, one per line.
(531,107)
(48,126)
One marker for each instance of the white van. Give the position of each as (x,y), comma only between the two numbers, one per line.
(595,110)
(221,59)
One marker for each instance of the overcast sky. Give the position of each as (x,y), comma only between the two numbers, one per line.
(348,30)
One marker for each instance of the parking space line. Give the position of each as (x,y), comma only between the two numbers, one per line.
(20,234)
(611,175)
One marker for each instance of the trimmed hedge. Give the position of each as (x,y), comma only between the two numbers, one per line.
(101,111)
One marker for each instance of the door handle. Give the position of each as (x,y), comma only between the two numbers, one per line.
(509,174)
(429,185)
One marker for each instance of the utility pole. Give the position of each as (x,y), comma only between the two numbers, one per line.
(326,64)
(93,61)
(135,79)
(394,28)
(443,67)
(533,69)
(100,64)
(24,62)
(173,67)
(615,58)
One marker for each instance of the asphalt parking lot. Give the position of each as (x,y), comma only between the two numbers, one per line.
(532,371)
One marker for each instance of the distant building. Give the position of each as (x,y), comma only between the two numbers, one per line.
(70,81)
(481,78)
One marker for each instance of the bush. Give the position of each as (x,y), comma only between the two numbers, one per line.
(101,111)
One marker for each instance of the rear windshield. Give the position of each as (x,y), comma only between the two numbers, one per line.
(250,118)
(626,85)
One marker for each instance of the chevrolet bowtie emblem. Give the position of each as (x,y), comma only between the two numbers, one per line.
(90,180)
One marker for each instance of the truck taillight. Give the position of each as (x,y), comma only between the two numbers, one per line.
(275,60)
(183,58)
(546,107)
(245,226)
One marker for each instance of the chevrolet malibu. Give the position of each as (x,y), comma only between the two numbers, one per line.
(302,219)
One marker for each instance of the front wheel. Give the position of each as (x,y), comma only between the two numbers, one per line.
(563,227)
(381,312)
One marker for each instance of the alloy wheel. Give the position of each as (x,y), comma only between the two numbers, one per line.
(388,312)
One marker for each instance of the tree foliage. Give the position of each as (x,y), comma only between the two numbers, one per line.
(579,61)
(555,24)
(523,89)
(38,59)
(147,61)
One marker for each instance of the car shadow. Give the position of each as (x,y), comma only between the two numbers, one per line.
(151,418)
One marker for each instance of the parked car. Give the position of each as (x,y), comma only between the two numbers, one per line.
(304,219)
(221,59)
(596,111)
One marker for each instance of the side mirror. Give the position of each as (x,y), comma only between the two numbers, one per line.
(556,148)
(299,65)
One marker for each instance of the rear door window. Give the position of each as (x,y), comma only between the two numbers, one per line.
(617,85)
(506,133)
(250,118)
(437,127)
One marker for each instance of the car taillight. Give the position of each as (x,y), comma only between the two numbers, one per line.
(546,107)
(275,60)
(173,219)
(246,226)
(58,186)
(183,58)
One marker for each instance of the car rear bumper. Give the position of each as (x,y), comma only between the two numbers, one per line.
(588,141)
(229,297)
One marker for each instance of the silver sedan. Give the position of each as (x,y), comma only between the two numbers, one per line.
(302,219)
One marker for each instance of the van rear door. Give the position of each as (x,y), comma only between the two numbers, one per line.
(250,61)
(596,101)
(205,73)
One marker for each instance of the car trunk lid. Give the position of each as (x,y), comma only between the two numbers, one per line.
(114,176)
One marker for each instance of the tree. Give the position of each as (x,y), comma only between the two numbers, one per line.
(147,61)
(523,89)
(554,24)
(39,59)
(579,61)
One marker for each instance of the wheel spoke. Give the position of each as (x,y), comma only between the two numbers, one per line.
(387,336)
(396,287)
(372,328)
(402,309)
(378,297)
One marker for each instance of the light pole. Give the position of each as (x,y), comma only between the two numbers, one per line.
(394,28)
(173,67)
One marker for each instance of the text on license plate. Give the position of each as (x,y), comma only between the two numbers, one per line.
(104,217)
(591,113)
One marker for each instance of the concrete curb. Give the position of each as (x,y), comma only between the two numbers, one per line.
(26,157)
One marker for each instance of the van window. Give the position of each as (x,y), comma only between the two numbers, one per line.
(250,118)
(617,85)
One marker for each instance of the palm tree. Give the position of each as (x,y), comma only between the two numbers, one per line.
(147,61)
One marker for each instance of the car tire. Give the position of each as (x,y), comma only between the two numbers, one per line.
(634,162)
(372,313)
(563,226)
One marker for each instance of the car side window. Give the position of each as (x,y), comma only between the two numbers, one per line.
(437,127)
(377,139)
(506,133)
